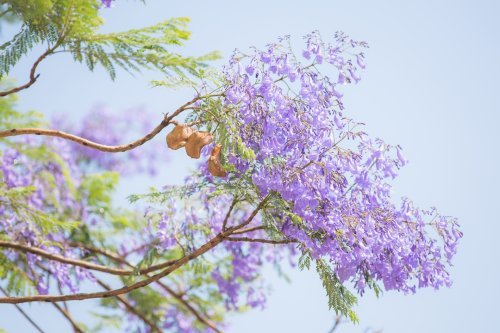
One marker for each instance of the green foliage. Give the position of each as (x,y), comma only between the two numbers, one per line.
(340,298)
(47,21)
(16,198)
(150,300)
(12,51)
(18,282)
(68,17)
(53,219)
(213,114)
(70,26)
(370,282)
(97,189)
(206,73)
(138,49)
(30,10)
(158,197)
(305,261)
(44,154)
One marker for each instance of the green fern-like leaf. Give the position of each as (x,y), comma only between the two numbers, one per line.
(138,49)
(13,50)
(340,298)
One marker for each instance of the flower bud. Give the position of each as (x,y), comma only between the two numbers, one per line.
(196,141)
(178,137)
(214,165)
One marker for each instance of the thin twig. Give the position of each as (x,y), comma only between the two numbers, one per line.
(67,315)
(226,219)
(33,76)
(135,249)
(64,310)
(244,231)
(5,12)
(25,315)
(130,308)
(59,289)
(95,249)
(335,324)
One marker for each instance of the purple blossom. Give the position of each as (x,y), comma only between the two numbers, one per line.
(333,175)
(107,3)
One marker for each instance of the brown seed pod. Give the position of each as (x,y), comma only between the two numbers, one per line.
(196,141)
(214,165)
(178,136)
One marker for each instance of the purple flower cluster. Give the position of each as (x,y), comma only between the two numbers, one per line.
(334,177)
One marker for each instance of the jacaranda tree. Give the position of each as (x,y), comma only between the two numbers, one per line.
(285,178)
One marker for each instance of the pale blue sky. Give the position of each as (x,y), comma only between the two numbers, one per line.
(430,85)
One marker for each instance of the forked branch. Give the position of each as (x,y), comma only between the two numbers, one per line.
(33,76)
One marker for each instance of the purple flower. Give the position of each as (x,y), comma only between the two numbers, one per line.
(107,3)
(334,178)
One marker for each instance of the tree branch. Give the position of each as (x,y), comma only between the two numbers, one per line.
(224,223)
(33,76)
(94,145)
(81,263)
